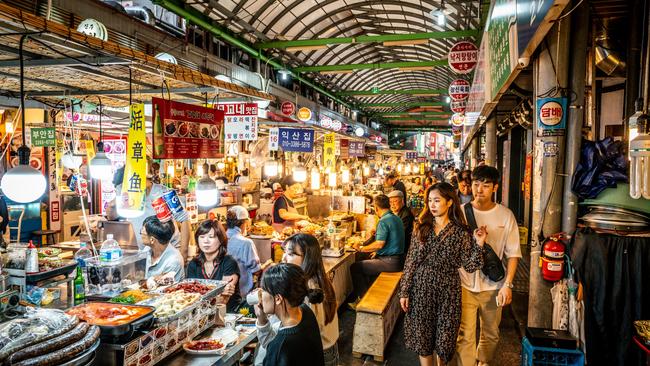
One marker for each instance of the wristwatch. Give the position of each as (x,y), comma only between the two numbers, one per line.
(508,285)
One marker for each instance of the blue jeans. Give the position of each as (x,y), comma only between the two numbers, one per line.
(366,271)
(332,355)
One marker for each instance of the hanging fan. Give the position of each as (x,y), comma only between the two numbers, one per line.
(259,152)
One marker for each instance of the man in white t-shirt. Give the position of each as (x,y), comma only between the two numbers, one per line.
(480,294)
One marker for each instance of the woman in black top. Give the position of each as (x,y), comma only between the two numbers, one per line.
(213,263)
(297,342)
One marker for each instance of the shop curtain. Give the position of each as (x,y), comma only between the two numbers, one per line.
(615,273)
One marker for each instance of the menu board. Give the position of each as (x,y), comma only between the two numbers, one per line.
(344,148)
(501,43)
(186,131)
(240,121)
(356,149)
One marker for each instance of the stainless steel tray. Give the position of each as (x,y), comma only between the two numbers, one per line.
(207,297)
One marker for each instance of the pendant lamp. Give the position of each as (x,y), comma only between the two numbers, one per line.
(23,183)
(101,166)
(299,173)
(315,179)
(207,194)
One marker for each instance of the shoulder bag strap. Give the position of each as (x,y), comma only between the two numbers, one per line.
(469,216)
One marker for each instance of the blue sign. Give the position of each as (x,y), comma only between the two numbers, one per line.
(551,116)
(530,15)
(297,139)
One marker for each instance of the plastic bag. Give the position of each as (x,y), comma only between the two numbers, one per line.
(602,164)
(34,326)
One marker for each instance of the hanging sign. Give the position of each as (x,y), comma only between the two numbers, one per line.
(458,106)
(296,139)
(336,125)
(411,155)
(459,89)
(329,151)
(325,122)
(186,131)
(135,170)
(288,108)
(463,57)
(54,167)
(456,130)
(551,116)
(344,148)
(274,138)
(304,114)
(457,119)
(240,122)
(90,149)
(356,149)
(45,137)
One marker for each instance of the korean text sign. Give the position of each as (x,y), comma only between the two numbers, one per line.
(329,151)
(356,149)
(186,131)
(43,136)
(551,116)
(135,171)
(240,121)
(296,139)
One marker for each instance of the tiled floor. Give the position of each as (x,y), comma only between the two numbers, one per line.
(397,355)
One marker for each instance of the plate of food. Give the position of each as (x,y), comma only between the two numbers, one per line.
(170,128)
(183,129)
(194,129)
(217,344)
(205,131)
(214,132)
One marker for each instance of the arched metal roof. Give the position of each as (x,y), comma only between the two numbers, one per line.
(260,21)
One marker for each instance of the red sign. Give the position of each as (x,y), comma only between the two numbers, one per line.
(345,148)
(288,108)
(54,211)
(186,131)
(459,89)
(457,119)
(463,57)
(432,144)
(458,106)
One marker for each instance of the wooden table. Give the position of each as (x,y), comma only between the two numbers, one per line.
(338,271)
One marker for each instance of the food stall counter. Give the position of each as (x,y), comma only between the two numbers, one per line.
(247,335)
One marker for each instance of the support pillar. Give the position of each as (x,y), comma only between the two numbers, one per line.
(579,35)
(548,181)
(474,152)
(491,142)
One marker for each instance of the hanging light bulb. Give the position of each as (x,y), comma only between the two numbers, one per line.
(380,171)
(315,179)
(271,168)
(366,170)
(407,169)
(400,168)
(9,127)
(170,169)
(207,194)
(101,167)
(221,165)
(299,173)
(23,183)
(345,175)
(71,161)
(199,171)
(331,179)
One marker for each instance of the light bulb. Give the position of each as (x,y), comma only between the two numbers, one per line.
(345,175)
(271,168)
(407,169)
(380,171)
(315,179)
(23,184)
(9,127)
(221,165)
(101,167)
(207,194)
(366,170)
(447,100)
(199,171)
(299,173)
(71,161)
(331,179)
(170,169)
(400,167)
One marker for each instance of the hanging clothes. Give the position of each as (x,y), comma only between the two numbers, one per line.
(560,296)
(615,273)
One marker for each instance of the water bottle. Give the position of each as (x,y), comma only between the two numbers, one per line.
(110,250)
(81,256)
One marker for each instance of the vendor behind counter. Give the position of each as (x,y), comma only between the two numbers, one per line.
(284,211)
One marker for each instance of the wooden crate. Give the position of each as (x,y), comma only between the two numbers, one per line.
(377,314)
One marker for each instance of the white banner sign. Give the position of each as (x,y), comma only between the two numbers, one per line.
(274,138)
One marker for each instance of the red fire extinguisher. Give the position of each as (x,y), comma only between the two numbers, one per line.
(552,258)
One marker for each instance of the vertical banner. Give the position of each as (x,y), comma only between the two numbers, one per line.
(329,149)
(54,167)
(240,121)
(135,170)
(274,138)
(345,148)
(90,150)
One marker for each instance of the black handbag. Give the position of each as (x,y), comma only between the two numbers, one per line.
(492,265)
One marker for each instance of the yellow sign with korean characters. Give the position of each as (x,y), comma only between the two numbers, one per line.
(134,185)
(329,152)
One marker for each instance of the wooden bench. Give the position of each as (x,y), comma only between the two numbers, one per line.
(377,314)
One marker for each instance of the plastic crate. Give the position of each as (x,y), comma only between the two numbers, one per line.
(542,356)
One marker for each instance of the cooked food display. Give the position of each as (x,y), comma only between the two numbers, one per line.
(107,314)
(190,287)
(261,228)
(312,229)
(170,127)
(130,297)
(173,302)
(205,345)
(183,129)
(194,129)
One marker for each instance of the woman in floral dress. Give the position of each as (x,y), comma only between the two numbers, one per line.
(430,291)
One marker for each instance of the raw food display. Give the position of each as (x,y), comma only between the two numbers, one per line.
(190,287)
(106,314)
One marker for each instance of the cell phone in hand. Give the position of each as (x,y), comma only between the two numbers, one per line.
(497,301)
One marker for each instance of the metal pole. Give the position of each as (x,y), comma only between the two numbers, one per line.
(550,77)
(491,142)
(579,35)
(474,151)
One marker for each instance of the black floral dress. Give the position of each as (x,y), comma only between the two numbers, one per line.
(432,283)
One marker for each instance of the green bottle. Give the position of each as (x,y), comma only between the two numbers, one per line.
(79,287)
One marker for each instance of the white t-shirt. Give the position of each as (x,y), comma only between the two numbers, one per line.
(503,237)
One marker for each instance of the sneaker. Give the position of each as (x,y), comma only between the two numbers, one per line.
(353,305)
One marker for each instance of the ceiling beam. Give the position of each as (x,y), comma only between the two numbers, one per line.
(391,92)
(368,39)
(416,118)
(401,104)
(411,114)
(65,62)
(387,65)
(421,128)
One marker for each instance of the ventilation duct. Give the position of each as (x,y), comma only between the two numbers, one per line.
(607,54)
(141,13)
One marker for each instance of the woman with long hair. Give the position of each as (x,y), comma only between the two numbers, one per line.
(213,263)
(297,341)
(303,250)
(430,290)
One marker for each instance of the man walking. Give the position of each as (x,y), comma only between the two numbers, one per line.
(392,180)
(481,295)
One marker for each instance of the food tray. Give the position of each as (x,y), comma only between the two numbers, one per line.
(127,329)
(40,276)
(220,285)
(85,358)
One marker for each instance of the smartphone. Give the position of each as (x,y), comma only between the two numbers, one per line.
(497,301)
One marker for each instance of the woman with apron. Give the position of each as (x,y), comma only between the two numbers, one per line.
(284,212)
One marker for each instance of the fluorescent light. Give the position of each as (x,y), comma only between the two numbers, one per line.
(305,48)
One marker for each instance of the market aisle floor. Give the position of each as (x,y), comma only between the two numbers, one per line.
(398,355)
